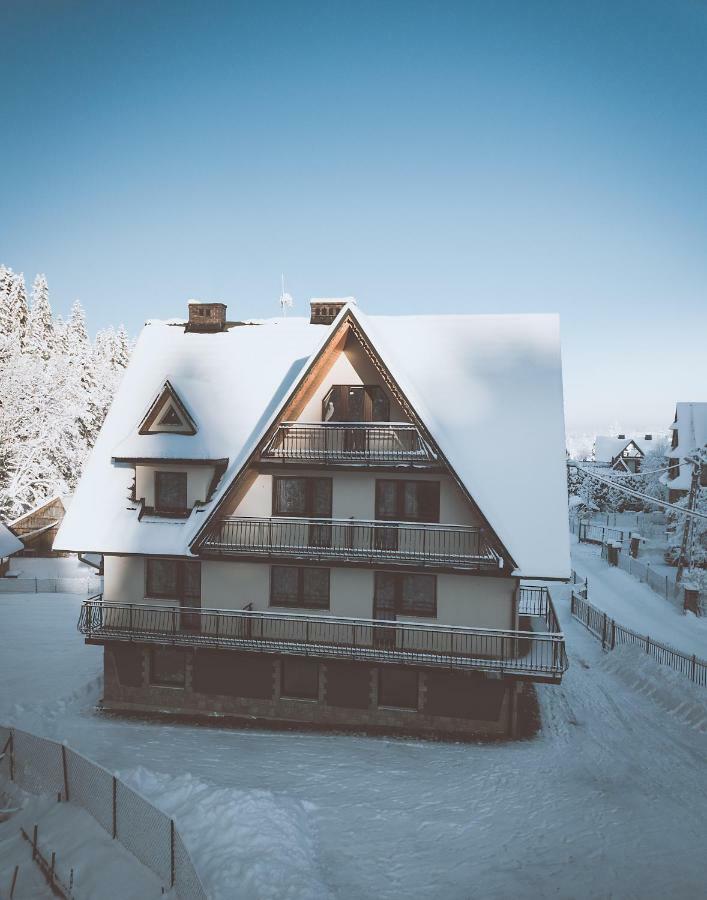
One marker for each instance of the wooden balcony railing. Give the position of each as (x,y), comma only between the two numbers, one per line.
(537,655)
(350,443)
(353,541)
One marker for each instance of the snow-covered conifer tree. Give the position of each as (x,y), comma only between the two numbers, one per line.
(40,326)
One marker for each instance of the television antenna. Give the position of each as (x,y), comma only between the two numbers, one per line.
(286,300)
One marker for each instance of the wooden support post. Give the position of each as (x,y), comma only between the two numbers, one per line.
(66,772)
(14,882)
(115,807)
(34,843)
(171,851)
(648,644)
(51,869)
(693,667)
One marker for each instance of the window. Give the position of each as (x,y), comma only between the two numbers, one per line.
(356,403)
(407,501)
(397,687)
(170,417)
(305,497)
(171,492)
(173,579)
(405,595)
(167,666)
(299,586)
(300,678)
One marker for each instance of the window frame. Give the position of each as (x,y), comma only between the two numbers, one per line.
(181,580)
(178,685)
(398,597)
(300,604)
(309,496)
(181,512)
(399,515)
(343,393)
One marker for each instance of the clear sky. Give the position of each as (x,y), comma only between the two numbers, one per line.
(492,156)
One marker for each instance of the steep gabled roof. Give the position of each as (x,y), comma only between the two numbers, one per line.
(488,389)
(607,448)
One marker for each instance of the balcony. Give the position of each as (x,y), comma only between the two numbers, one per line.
(354,541)
(350,444)
(537,654)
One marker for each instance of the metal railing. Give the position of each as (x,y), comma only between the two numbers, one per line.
(536,654)
(353,540)
(366,443)
(611,635)
(44,767)
(534,601)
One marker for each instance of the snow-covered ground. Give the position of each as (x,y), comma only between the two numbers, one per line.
(635,605)
(49,567)
(609,800)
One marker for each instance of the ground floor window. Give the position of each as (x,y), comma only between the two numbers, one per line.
(168,666)
(300,678)
(397,687)
(299,586)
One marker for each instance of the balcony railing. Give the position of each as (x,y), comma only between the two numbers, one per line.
(350,443)
(539,655)
(353,541)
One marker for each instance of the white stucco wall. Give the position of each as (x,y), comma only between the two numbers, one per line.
(198,480)
(470,600)
(354,495)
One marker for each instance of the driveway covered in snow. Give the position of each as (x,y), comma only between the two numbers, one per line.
(609,800)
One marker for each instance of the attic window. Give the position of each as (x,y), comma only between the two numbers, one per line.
(170,418)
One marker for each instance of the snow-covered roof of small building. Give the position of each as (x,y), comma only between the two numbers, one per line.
(488,389)
(607,448)
(9,543)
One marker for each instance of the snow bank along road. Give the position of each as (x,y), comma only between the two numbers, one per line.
(635,605)
(609,801)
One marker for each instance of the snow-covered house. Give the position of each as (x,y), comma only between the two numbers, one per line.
(689,433)
(9,545)
(325,521)
(39,526)
(623,453)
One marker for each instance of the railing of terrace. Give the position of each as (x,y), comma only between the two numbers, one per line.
(353,540)
(368,443)
(535,654)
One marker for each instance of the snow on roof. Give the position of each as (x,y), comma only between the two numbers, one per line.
(65,501)
(9,543)
(691,425)
(607,448)
(488,388)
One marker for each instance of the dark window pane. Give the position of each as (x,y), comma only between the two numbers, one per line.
(170,417)
(315,588)
(397,687)
(162,578)
(300,678)
(411,501)
(355,404)
(290,496)
(321,497)
(418,595)
(421,501)
(386,500)
(192,581)
(167,666)
(171,490)
(380,408)
(284,586)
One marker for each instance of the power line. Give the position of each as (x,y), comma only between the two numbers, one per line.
(633,493)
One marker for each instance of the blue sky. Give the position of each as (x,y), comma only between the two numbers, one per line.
(424,157)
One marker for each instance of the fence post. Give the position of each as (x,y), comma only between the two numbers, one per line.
(171,851)
(693,667)
(115,807)
(648,644)
(66,772)
(603,632)
(613,634)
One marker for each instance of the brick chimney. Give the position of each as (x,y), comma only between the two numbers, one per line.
(323,310)
(206,317)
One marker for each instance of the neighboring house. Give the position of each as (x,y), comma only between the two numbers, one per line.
(623,453)
(689,433)
(39,526)
(324,521)
(9,545)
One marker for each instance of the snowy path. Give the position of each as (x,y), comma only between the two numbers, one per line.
(635,605)
(611,799)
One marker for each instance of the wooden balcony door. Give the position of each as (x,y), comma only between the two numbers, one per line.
(355,403)
(384,608)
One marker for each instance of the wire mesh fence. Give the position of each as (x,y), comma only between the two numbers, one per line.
(612,635)
(91,585)
(41,766)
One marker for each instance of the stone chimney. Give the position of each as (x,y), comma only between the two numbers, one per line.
(206,317)
(323,310)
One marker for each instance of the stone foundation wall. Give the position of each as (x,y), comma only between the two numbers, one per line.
(253,686)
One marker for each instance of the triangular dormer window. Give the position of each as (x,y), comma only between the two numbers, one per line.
(168,415)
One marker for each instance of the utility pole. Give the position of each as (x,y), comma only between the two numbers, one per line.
(685,560)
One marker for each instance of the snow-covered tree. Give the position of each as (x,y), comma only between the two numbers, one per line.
(56,389)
